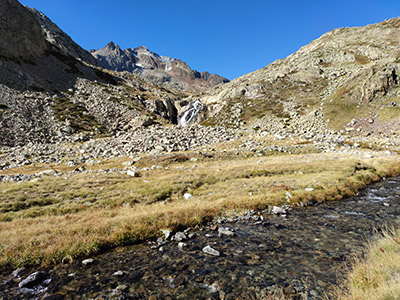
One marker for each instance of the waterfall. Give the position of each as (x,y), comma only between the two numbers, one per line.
(191,114)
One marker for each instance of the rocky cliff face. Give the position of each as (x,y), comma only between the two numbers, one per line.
(20,33)
(55,36)
(349,74)
(160,70)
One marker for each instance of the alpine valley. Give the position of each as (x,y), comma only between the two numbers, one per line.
(125,174)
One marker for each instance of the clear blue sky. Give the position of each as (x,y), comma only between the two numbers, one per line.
(228,37)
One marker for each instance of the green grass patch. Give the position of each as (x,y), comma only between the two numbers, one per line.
(76,114)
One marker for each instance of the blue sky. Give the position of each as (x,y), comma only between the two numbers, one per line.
(227,37)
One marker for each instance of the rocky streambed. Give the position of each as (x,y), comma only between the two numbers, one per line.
(303,251)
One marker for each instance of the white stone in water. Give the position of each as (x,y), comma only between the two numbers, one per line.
(210,288)
(87,262)
(187,196)
(181,245)
(118,273)
(211,251)
(225,231)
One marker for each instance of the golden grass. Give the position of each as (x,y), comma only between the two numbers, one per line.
(54,218)
(377,277)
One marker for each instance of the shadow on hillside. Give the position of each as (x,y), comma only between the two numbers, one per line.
(53,72)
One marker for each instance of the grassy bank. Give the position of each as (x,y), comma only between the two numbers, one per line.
(58,218)
(377,277)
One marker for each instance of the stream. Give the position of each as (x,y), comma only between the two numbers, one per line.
(302,252)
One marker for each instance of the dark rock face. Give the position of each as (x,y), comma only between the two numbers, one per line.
(150,66)
(55,36)
(20,34)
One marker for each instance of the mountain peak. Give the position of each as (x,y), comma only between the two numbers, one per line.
(141,48)
(157,69)
(112,45)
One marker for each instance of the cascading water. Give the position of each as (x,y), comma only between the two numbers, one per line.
(191,114)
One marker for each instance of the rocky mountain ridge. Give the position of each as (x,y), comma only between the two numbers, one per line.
(351,72)
(55,36)
(161,70)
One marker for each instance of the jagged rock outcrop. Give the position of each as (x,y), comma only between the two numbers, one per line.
(349,73)
(160,70)
(55,36)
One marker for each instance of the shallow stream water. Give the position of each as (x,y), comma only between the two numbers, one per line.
(303,253)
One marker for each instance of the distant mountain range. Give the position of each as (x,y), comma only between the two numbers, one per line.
(51,89)
(161,70)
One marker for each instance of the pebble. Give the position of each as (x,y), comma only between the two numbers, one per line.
(166,233)
(211,251)
(180,236)
(225,231)
(87,261)
(118,273)
(181,245)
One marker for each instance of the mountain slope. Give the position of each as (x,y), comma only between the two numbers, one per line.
(49,92)
(20,34)
(160,70)
(55,36)
(348,73)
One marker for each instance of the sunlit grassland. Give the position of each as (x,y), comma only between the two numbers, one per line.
(377,277)
(57,218)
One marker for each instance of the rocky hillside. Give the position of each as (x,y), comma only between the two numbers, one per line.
(55,36)
(161,70)
(348,75)
(50,92)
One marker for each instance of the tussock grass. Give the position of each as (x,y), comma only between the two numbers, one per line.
(377,277)
(55,218)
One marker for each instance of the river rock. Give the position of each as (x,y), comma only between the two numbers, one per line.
(225,231)
(180,236)
(17,272)
(211,251)
(166,233)
(87,261)
(35,279)
(276,210)
(118,273)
